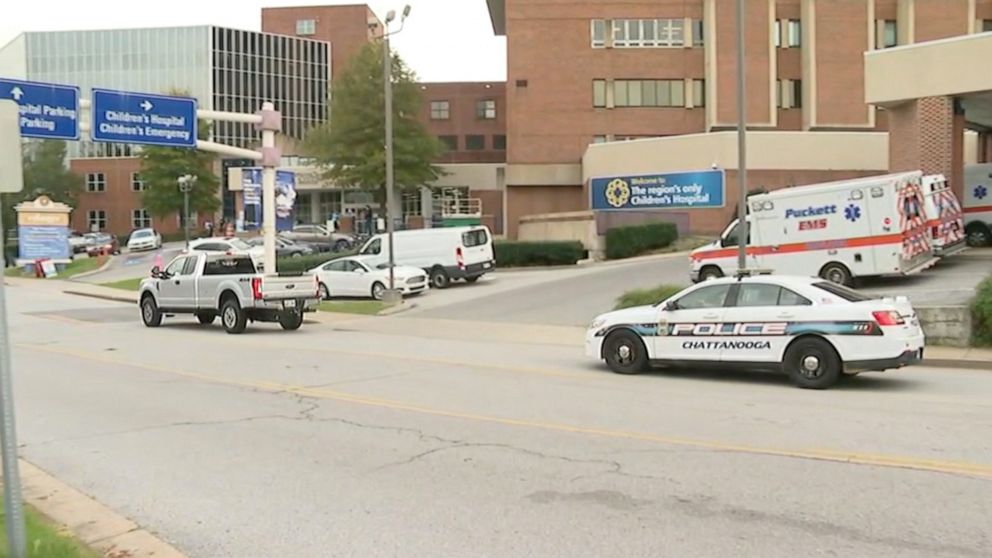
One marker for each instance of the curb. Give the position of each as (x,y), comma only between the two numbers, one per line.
(104,267)
(101,296)
(398,309)
(958,363)
(94,524)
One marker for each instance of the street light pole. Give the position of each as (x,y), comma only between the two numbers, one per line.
(742,228)
(387,77)
(186,183)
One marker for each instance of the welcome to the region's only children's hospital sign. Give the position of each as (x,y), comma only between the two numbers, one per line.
(677,190)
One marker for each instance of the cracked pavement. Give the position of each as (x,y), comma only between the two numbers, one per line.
(272,444)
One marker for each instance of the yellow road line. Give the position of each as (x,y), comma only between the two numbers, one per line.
(981,470)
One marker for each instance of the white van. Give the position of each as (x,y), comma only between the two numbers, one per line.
(837,230)
(944,217)
(978,204)
(444,253)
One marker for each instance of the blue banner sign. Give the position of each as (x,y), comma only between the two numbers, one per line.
(675,190)
(47,111)
(142,118)
(36,242)
(251,183)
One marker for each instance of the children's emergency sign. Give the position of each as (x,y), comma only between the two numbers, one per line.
(677,190)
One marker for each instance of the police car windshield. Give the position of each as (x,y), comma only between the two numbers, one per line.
(847,294)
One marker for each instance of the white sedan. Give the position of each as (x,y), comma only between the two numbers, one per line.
(809,328)
(355,277)
(144,239)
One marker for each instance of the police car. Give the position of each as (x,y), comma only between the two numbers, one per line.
(812,329)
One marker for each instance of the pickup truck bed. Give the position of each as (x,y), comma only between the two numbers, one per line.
(229,286)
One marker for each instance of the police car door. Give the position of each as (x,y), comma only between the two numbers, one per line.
(757,322)
(686,325)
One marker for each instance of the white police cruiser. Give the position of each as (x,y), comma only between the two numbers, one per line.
(811,329)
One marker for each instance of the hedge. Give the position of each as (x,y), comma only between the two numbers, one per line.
(646,297)
(524,254)
(306,263)
(626,242)
(981,315)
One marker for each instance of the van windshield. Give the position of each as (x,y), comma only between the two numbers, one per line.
(477,237)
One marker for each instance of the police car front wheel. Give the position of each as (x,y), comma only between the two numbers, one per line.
(812,363)
(625,353)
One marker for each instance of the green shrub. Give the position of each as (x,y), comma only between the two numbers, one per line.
(523,254)
(646,297)
(981,315)
(626,242)
(306,263)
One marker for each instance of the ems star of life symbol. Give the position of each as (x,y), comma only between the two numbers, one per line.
(617,192)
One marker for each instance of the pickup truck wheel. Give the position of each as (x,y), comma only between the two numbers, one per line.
(439,278)
(206,318)
(150,314)
(812,363)
(234,318)
(291,320)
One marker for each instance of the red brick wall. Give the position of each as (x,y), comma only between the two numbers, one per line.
(345,27)
(463,120)
(841,40)
(533,200)
(757,16)
(939,19)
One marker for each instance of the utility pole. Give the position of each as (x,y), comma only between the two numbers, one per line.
(742,227)
(391,296)
(186,183)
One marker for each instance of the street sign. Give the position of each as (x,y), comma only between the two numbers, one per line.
(12,177)
(47,110)
(142,118)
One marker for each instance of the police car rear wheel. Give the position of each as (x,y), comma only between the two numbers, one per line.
(625,353)
(812,364)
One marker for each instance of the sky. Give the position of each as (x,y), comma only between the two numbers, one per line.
(444,40)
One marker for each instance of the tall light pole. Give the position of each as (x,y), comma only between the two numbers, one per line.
(391,295)
(742,228)
(186,183)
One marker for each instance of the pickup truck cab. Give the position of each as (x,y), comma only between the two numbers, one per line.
(230,286)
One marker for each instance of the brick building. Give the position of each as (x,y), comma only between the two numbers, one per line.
(617,70)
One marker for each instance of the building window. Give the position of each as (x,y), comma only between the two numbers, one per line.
(599,139)
(790,94)
(96,182)
(486,110)
(597,29)
(698,93)
(599,93)
(96,220)
(886,33)
(649,93)
(475,143)
(647,33)
(440,110)
(137,184)
(140,219)
(499,142)
(450,143)
(788,33)
(306,26)
(412,204)
(698,32)
(986,25)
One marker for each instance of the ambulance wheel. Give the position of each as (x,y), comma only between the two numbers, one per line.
(812,363)
(625,353)
(978,235)
(837,273)
(710,272)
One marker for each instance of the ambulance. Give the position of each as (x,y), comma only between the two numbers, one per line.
(978,204)
(836,230)
(945,219)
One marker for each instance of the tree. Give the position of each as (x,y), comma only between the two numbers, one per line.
(45,173)
(351,145)
(161,168)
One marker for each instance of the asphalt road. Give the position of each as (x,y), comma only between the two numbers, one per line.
(130,265)
(575,298)
(328,442)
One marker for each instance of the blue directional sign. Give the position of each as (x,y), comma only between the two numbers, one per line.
(126,117)
(47,110)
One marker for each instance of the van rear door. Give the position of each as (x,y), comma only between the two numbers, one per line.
(476,246)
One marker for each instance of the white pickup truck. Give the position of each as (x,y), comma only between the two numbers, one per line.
(207,285)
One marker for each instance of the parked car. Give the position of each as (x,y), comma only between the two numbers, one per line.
(360,277)
(226,244)
(77,242)
(144,239)
(102,243)
(207,285)
(285,248)
(444,253)
(321,237)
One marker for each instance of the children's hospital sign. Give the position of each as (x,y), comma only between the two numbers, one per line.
(677,190)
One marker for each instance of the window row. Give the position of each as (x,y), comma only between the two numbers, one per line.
(96,182)
(96,219)
(473,142)
(484,110)
(789,94)
(646,33)
(648,93)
